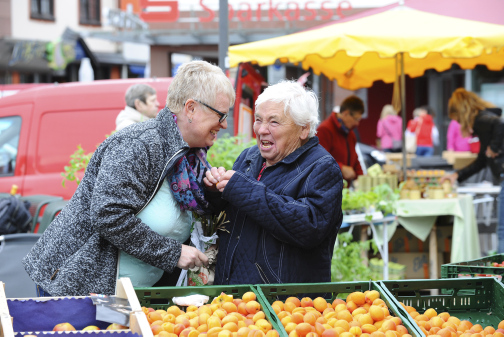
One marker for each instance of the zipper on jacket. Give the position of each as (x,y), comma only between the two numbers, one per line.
(54,275)
(262,274)
(159,181)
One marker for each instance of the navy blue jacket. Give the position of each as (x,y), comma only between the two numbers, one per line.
(282,228)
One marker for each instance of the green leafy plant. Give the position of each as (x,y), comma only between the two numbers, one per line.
(349,261)
(226,149)
(380,198)
(78,164)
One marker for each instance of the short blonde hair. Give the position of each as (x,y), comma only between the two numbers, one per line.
(388,110)
(198,80)
(464,106)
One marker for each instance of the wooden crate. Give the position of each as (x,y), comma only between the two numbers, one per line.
(138,321)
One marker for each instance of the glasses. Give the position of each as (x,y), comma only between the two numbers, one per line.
(355,118)
(222,115)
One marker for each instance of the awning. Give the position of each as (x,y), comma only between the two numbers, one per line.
(23,55)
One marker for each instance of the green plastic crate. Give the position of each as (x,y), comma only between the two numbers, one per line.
(330,291)
(161,297)
(478,267)
(479,300)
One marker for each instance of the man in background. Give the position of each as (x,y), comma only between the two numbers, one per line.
(336,135)
(141,105)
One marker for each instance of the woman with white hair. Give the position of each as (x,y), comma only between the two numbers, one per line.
(282,197)
(389,130)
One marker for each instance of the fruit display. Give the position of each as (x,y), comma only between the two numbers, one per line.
(469,307)
(446,325)
(225,316)
(362,314)
(492,266)
(69,327)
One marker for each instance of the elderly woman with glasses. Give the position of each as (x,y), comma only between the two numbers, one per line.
(282,197)
(132,212)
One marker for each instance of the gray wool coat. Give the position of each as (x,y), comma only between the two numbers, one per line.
(78,252)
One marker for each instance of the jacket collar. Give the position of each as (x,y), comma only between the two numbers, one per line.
(170,131)
(255,153)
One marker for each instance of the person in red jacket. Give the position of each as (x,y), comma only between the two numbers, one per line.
(337,137)
(423,126)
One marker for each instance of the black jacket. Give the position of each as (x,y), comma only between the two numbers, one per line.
(489,128)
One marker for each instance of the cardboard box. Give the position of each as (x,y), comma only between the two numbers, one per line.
(459,160)
(396,158)
(404,242)
(417,264)
(52,310)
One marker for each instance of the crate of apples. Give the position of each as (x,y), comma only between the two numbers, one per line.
(225,316)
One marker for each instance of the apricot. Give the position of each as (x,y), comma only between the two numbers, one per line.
(174,310)
(368,328)
(358,298)
(371,296)
(229,319)
(229,307)
(310,318)
(337,301)
(297,318)
(345,314)
(430,313)
(294,300)
(252,307)
(320,304)
(151,317)
(306,302)
(230,326)
(272,333)
(249,296)
(214,332)
(376,313)
(330,333)
(355,330)
(291,326)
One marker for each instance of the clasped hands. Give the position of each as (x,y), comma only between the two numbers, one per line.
(217,178)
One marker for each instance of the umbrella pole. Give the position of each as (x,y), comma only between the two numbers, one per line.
(400,59)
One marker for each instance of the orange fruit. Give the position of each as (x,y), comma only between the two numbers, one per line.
(320,304)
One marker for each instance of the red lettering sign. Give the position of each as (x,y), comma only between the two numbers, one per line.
(170,12)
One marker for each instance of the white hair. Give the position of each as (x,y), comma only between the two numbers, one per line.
(299,103)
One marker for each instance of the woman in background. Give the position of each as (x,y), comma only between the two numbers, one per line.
(476,116)
(389,130)
(454,138)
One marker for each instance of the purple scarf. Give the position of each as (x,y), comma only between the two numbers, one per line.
(187,179)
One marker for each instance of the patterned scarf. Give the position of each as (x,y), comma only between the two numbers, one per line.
(187,179)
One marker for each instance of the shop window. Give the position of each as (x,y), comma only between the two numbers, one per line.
(42,9)
(89,12)
(10,128)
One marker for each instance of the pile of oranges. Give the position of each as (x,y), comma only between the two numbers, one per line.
(224,317)
(363,314)
(444,325)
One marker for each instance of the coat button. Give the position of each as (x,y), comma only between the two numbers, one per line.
(238,237)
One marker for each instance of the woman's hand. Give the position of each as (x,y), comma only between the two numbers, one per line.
(451,177)
(191,257)
(213,176)
(490,154)
(224,180)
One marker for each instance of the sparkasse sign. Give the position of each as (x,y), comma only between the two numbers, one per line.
(168,11)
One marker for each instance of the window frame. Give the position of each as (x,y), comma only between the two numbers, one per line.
(38,15)
(86,21)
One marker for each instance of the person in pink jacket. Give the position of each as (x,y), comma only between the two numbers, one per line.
(389,130)
(455,140)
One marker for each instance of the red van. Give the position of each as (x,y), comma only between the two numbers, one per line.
(41,127)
